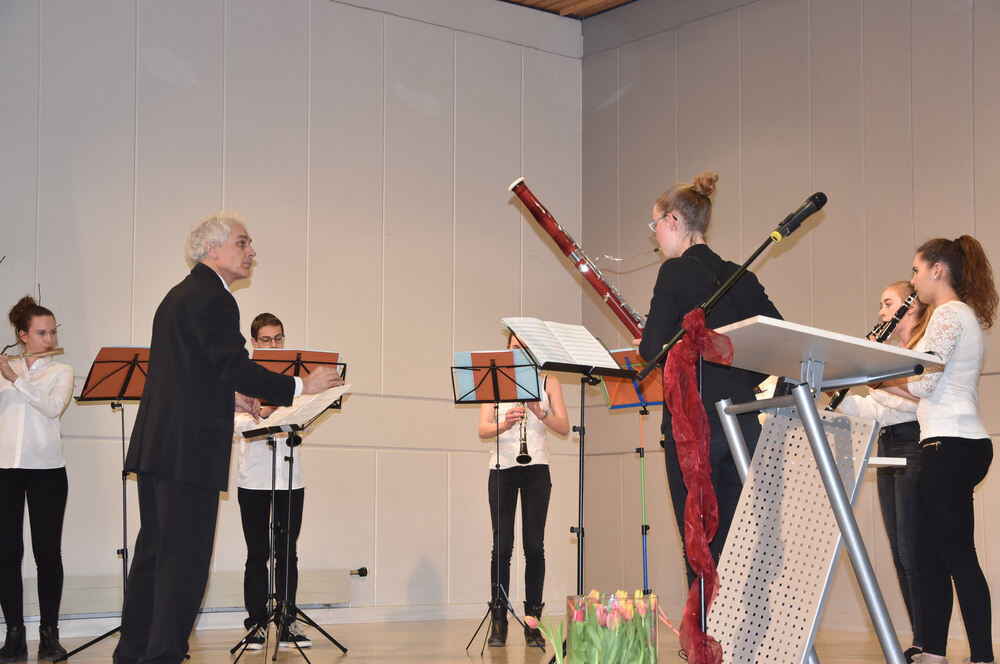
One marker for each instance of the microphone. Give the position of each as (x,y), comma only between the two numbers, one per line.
(795,219)
(361,571)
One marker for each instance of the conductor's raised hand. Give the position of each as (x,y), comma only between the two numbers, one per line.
(319,379)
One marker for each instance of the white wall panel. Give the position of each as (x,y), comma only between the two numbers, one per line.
(338,524)
(412,494)
(888,238)
(470,536)
(837,140)
(775,149)
(550,152)
(179,123)
(86,120)
(346,190)
(19,42)
(487,279)
(265,152)
(708,122)
(419,227)
(986,141)
(600,193)
(648,154)
(942,118)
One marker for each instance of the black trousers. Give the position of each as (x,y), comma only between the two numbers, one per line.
(950,469)
(169,572)
(725,480)
(45,492)
(255,511)
(535,486)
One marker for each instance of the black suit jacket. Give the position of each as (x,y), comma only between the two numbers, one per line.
(197,360)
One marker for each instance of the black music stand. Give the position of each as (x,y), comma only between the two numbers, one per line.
(494,377)
(570,349)
(292,362)
(294,421)
(118,374)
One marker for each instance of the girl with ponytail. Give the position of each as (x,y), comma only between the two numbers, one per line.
(955,279)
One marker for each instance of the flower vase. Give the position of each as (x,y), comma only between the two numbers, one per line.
(611,629)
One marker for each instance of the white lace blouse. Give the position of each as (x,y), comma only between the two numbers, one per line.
(949,399)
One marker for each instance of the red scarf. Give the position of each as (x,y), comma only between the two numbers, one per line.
(691,436)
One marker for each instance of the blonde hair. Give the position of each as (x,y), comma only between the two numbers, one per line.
(692,201)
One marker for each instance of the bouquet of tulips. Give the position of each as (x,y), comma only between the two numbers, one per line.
(606,629)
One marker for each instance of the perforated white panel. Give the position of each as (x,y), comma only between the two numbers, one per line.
(778,561)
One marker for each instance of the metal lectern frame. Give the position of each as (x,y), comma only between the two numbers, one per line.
(813,349)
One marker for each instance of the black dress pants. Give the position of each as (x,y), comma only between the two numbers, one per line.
(169,571)
(45,492)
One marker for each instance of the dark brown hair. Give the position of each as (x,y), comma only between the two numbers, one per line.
(20,314)
(969,272)
(263,320)
(691,200)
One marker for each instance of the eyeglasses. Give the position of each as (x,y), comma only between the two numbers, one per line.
(652,224)
(278,338)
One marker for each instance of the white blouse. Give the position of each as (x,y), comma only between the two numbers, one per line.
(949,399)
(536,438)
(30,408)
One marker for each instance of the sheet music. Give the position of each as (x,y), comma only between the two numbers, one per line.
(304,408)
(561,342)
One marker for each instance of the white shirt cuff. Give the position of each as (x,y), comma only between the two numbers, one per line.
(298,385)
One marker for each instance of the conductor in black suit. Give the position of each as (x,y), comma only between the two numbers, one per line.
(182,438)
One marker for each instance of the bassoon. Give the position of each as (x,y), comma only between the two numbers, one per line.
(880,334)
(626,314)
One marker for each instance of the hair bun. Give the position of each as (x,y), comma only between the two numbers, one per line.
(704,184)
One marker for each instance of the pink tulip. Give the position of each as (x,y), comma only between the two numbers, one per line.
(531,621)
(578,615)
(641,608)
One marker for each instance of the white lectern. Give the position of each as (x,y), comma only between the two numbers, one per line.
(778,562)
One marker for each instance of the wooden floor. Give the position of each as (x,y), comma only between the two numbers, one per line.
(445,641)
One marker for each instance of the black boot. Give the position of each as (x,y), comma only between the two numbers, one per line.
(49,647)
(15,648)
(498,625)
(533,636)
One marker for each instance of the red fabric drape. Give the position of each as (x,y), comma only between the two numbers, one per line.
(691,436)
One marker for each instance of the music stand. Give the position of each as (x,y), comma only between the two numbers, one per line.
(118,374)
(289,420)
(292,362)
(569,349)
(508,376)
(632,393)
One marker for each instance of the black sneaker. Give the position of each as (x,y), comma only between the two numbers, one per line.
(256,640)
(293,636)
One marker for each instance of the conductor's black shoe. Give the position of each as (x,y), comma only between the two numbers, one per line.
(15,647)
(293,636)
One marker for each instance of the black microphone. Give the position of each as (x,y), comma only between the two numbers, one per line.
(795,219)
(361,571)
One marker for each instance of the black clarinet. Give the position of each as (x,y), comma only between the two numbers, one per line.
(880,333)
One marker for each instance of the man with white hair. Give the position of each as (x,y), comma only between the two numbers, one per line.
(181,441)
